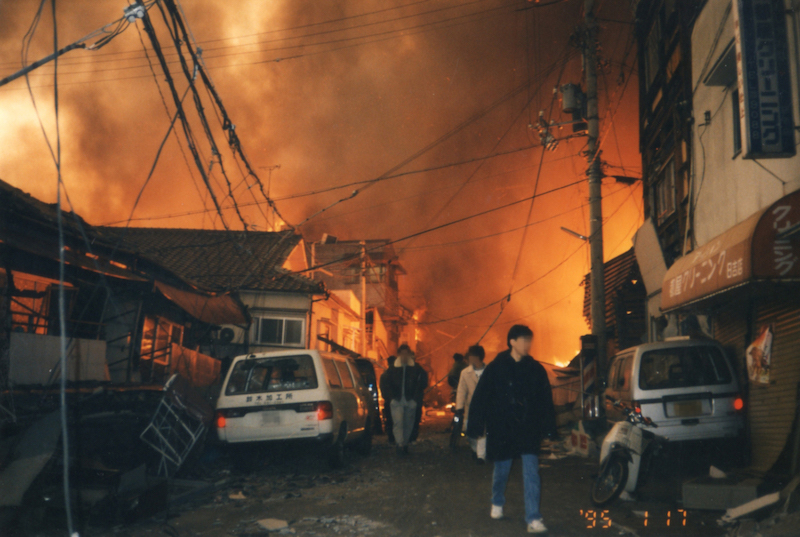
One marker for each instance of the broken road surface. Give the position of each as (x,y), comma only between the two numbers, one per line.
(431,492)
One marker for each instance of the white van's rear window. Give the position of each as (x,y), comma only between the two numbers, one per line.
(683,367)
(277,374)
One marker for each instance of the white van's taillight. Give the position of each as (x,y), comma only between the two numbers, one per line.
(221,421)
(324,410)
(738,404)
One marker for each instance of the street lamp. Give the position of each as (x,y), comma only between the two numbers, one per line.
(574,234)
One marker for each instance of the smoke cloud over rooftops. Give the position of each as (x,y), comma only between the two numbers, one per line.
(338,92)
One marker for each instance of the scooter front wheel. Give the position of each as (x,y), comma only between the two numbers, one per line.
(610,481)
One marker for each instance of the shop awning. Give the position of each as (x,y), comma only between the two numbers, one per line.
(766,246)
(217,309)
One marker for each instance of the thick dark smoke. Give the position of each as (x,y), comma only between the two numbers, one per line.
(337,116)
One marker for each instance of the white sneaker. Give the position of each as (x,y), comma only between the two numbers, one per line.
(537,526)
(497,512)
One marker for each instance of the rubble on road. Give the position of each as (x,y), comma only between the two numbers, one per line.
(346,524)
(272,524)
(114,473)
(782,521)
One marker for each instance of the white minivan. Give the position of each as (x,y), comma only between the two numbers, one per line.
(686,386)
(296,395)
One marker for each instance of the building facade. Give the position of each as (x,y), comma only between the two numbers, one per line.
(340,267)
(738,278)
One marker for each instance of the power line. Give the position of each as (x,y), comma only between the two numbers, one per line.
(530,209)
(513,93)
(314,192)
(313,44)
(166,109)
(425,28)
(227,125)
(150,30)
(435,228)
(331,21)
(553,269)
(497,144)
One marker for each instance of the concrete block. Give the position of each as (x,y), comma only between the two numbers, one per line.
(719,494)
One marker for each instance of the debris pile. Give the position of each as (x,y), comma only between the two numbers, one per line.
(771,515)
(116,475)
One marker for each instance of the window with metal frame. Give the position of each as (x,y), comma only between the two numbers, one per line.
(334,381)
(274,374)
(279,331)
(344,373)
(665,191)
(683,367)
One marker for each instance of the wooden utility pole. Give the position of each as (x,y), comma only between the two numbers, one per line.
(363,299)
(595,196)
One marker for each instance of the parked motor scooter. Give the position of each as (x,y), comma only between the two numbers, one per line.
(626,456)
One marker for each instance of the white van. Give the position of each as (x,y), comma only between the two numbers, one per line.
(296,395)
(686,386)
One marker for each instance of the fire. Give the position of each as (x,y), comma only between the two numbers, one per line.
(337,114)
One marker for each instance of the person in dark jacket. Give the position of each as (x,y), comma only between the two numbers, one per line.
(513,406)
(388,426)
(454,375)
(404,387)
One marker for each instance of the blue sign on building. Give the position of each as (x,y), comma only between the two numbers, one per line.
(765,92)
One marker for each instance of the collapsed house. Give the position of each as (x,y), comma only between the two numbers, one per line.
(130,326)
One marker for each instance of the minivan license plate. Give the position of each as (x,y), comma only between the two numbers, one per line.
(270,418)
(688,408)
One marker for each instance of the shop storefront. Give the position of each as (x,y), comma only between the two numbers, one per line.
(747,281)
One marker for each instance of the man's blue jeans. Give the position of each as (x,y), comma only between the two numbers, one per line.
(531,481)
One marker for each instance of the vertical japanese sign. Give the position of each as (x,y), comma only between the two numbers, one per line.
(759,356)
(762,69)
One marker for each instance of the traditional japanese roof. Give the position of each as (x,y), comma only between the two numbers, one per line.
(222,260)
(29,229)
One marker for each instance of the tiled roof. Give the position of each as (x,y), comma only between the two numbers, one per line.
(616,272)
(22,209)
(221,260)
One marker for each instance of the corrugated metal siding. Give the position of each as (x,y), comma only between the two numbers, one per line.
(772,408)
(730,329)
(616,272)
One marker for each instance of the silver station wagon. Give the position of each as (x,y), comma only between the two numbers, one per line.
(686,386)
(298,395)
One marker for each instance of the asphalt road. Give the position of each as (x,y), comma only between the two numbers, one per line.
(431,492)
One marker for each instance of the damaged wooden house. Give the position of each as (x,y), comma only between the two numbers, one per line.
(128,318)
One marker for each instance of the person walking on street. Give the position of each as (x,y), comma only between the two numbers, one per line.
(459,364)
(466,388)
(405,386)
(513,406)
(387,408)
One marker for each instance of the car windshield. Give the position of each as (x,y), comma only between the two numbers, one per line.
(272,375)
(683,367)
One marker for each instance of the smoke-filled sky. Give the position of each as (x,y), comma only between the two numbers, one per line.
(341,91)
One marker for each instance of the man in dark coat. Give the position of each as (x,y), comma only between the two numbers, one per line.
(513,406)
(404,387)
(387,409)
(454,375)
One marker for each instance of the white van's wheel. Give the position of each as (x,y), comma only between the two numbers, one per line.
(363,445)
(336,453)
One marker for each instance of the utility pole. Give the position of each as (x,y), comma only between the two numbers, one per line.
(595,196)
(363,298)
